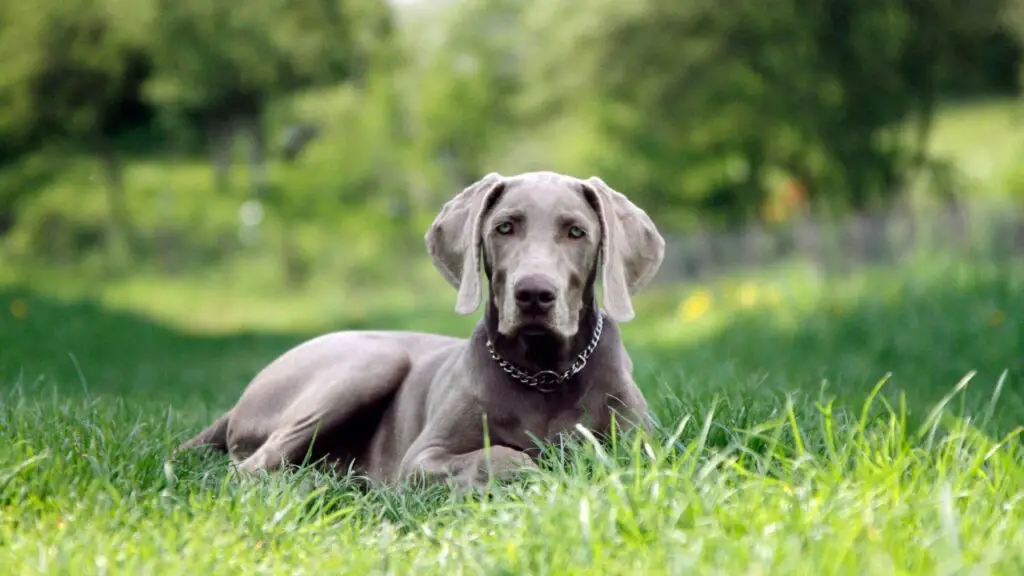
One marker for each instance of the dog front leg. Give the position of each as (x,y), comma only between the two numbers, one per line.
(467,471)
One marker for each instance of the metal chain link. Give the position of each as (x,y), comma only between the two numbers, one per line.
(549,380)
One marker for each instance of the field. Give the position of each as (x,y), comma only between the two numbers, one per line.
(866,424)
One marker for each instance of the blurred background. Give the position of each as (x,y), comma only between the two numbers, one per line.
(274,165)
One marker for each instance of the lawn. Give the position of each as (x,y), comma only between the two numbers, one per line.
(984,139)
(866,424)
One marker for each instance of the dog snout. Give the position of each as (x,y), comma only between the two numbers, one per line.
(534,294)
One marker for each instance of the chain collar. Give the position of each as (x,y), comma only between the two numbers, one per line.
(549,380)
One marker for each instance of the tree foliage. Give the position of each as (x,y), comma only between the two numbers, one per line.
(73,71)
(76,80)
(701,103)
(468,86)
(1014,16)
(211,54)
(704,110)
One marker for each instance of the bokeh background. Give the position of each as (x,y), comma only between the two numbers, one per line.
(214,169)
(834,343)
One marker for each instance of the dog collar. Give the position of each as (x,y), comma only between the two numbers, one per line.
(549,380)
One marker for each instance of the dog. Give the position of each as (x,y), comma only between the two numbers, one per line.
(544,358)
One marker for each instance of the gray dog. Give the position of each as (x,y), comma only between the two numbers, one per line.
(544,357)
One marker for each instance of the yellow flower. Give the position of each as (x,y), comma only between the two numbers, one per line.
(695,306)
(19,309)
(748,295)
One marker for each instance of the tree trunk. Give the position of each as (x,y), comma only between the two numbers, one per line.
(755,194)
(295,265)
(6,220)
(120,234)
(221,137)
(252,130)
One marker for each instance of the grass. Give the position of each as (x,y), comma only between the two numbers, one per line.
(867,424)
(984,140)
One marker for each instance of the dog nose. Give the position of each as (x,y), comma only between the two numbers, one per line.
(534,294)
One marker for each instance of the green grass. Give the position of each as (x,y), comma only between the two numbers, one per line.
(785,447)
(985,140)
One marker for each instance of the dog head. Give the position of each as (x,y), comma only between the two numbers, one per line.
(543,239)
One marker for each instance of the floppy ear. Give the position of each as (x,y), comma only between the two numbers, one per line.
(631,248)
(454,240)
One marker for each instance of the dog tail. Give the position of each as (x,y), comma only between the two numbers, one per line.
(215,436)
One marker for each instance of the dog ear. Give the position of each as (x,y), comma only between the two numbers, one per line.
(631,248)
(454,241)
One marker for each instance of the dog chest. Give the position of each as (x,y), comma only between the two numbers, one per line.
(543,422)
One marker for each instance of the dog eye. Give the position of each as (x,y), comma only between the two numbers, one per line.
(576,232)
(504,228)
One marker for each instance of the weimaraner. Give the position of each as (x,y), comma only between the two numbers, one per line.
(396,405)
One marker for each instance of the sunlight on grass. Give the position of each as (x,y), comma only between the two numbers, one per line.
(863,424)
(985,140)
(810,490)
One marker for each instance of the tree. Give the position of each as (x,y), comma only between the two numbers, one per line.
(700,102)
(467,87)
(222,62)
(75,79)
(1014,17)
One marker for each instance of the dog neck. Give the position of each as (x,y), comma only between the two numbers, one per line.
(546,352)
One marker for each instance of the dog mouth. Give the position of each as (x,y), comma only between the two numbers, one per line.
(533,328)
(539,346)
(538,337)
